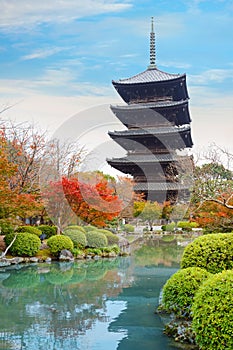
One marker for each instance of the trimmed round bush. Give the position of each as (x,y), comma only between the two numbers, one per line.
(128,228)
(26,244)
(179,290)
(5,228)
(89,228)
(212,252)
(75,227)
(30,229)
(169,227)
(59,242)
(212,312)
(186,225)
(96,239)
(48,230)
(112,239)
(78,238)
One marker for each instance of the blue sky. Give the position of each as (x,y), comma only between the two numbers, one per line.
(59,57)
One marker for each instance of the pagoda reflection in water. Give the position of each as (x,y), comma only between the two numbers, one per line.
(156,115)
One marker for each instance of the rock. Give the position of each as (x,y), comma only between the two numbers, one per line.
(17,260)
(48,260)
(112,255)
(66,255)
(4,263)
(34,260)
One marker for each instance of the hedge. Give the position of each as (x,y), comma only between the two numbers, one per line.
(96,239)
(213,313)
(179,290)
(75,227)
(26,244)
(111,237)
(48,230)
(30,229)
(78,238)
(212,252)
(5,228)
(59,242)
(128,228)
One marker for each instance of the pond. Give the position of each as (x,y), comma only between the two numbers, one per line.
(105,304)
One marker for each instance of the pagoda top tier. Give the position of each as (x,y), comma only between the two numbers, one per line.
(148,76)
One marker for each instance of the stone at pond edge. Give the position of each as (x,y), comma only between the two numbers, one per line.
(66,255)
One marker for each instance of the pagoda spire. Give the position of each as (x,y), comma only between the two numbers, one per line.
(152,46)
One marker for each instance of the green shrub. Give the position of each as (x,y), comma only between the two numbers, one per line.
(30,229)
(111,237)
(76,252)
(5,228)
(75,227)
(48,230)
(169,227)
(187,225)
(59,242)
(78,238)
(179,290)
(26,244)
(96,239)
(128,228)
(212,252)
(212,312)
(89,228)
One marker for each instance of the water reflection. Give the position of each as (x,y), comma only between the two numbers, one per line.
(104,304)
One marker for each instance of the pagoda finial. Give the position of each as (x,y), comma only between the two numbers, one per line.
(152,46)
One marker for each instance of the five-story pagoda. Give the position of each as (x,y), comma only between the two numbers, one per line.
(157,119)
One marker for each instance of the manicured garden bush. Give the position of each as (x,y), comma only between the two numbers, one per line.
(169,227)
(186,225)
(212,252)
(30,229)
(78,238)
(179,290)
(5,228)
(59,242)
(212,312)
(26,244)
(48,230)
(111,237)
(89,228)
(75,227)
(96,239)
(128,228)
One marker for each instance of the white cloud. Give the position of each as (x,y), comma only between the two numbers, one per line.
(25,13)
(43,53)
(210,76)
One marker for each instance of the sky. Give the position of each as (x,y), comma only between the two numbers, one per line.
(58,59)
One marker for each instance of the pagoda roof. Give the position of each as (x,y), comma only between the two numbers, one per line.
(150,131)
(160,186)
(159,104)
(148,76)
(148,158)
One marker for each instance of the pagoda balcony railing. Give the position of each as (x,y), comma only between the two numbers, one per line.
(151,99)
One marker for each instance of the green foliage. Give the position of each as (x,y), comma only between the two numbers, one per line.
(179,290)
(76,227)
(78,238)
(187,225)
(212,252)
(89,228)
(76,252)
(128,228)
(6,228)
(212,312)
(96,251)
(169,227)
(59,242)
(111,237)
(48,230)
(30,229)
(96,239)
(26,244)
